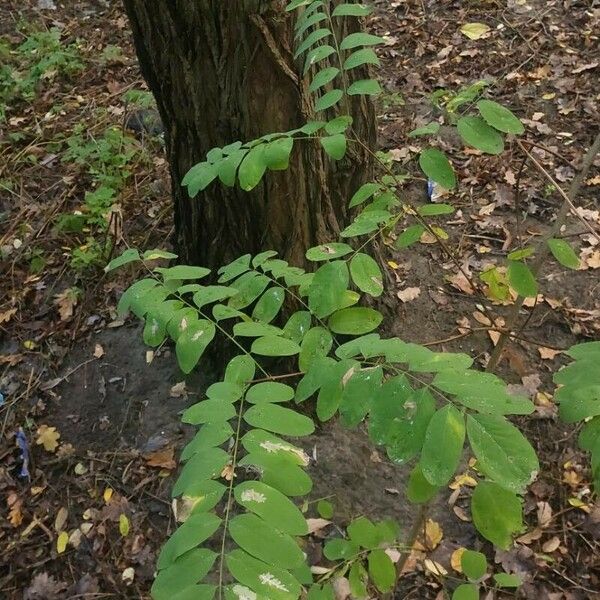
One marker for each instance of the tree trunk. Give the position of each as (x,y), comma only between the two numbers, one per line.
(222,71)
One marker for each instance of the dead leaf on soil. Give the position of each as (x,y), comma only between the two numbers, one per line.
(315,525)
(409,294)
(163,458)
(544,514)
(66,301)
(61,519)
(15,504)
(178,390)
(551,545)
(433,537)
(98,351)
(455,559)
(548,353)
(48,437)
(44,587)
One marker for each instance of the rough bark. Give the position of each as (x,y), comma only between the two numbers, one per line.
(221,71)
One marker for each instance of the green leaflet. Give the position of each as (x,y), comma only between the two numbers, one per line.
(317,342)
(192,342)
(272,506)
(329,251)
(194,531)
(269,391)
(280,471)
(271,345)
(442,448)
(521,279)
(272,582)
(355,321)
(359,39)
(500,117)
(437,167)
(466,591)
(366,274)
(259,539)
(497,513)
(182,573)
(277,419)
(365,56)
(502,452)
(477,133)
(474,564)
(334,145)
(419,490)
(381,570)
(563,253)
(365,87)
(326,292)
(269,305)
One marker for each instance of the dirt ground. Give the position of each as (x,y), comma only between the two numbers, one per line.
(67,362)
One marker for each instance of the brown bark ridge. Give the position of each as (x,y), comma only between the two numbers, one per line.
(222,71)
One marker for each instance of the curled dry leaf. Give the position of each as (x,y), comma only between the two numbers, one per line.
(456,558)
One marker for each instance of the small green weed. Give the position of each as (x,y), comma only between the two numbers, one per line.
(41,57)
(107,160)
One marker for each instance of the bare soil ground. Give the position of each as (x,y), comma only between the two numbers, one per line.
(67,362)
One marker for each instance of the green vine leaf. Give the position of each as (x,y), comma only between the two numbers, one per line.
(497,513)
(502,451)
(334,145)
(366,274)
(355,321)
(521,279)
(477,133)
(500,117)
(437,167)
(563,253)
(442,448)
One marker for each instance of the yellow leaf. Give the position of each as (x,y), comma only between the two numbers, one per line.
(475,31)
(455,559)
(433,536)
(577,503)
(108,492)
(61,542)
(29,344)
(123,525)
(463,479)
(393,265)
(48,437)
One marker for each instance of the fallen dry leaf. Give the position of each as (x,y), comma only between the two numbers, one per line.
(15,504)
(433,537)
(544,514)
(315,525)
(455,559)
(163,458)
(66,301)
(48,437)
(178,390)
(409,294)
(551,545)
(548,353)
(98,351)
